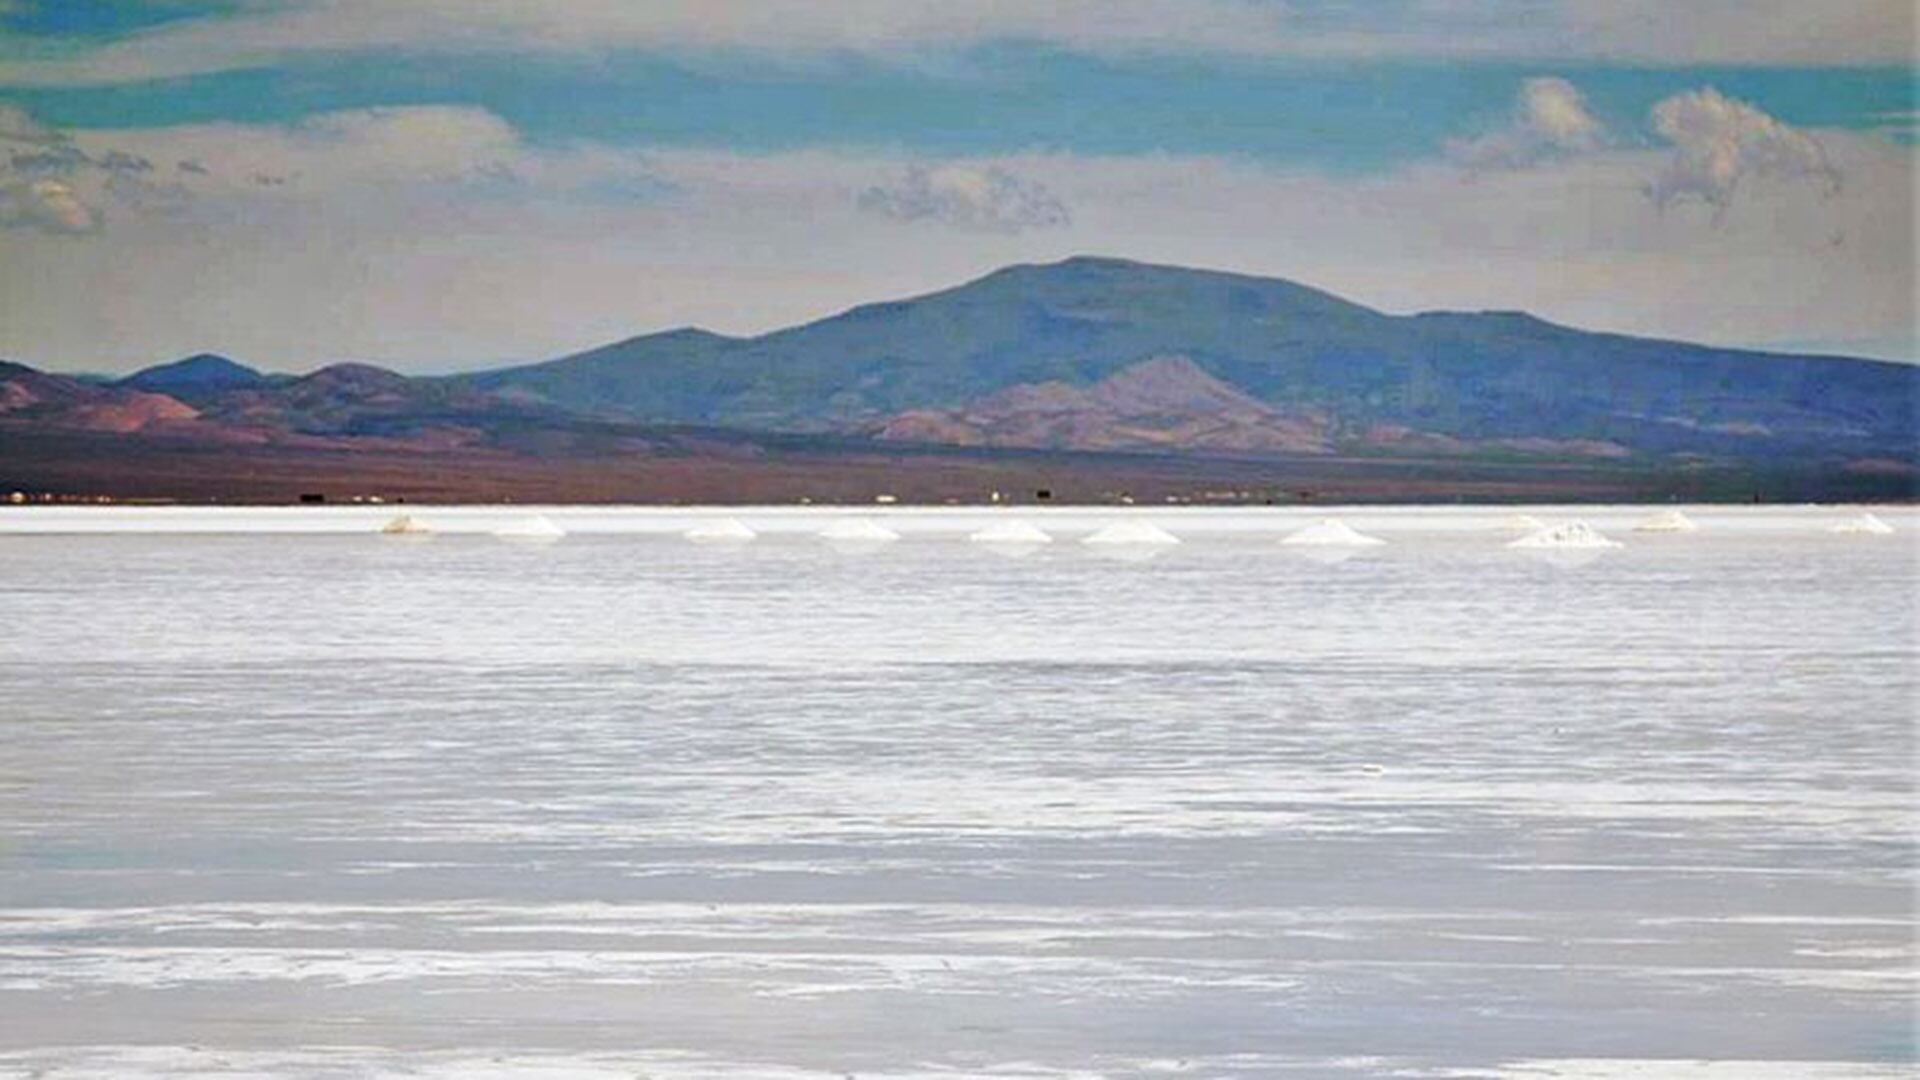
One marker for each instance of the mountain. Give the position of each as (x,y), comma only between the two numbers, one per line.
(196,378)
(1087,379)
(58,402)
(1488,381)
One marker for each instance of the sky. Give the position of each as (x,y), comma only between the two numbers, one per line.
(437,185)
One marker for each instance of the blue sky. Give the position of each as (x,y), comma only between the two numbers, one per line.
(986,100)
(57,23)
(759,162)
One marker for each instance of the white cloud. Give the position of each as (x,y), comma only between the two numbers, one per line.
(1549,119)
(967,197)
(36,169)
(368,146)
(49,205)
(207,172)
(1653,31)
(1557,112)
(1720,143)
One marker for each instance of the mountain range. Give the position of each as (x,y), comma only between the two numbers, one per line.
(1086,357)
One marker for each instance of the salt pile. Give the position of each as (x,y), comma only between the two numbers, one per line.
(1332,532)
(1132,534)
(858,531)
(1520,523)
(1667,521)
(1864,525)
(724,531)
(1573,536)
(405,526)
(1010,532)
(537,529)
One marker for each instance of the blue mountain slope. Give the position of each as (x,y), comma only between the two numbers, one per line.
(195,378)
(1490,375)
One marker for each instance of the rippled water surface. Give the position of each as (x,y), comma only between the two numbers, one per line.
(281,797)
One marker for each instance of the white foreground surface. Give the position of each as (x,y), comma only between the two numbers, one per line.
(1010,532)
(280,798)
(859,530)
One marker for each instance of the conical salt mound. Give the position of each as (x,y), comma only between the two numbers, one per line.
(1864,525)
(405,526)
(1331,532)
(1574,535)
(724,531)
(536,529)
(1667,521)
(859,531)
(1010,532)
(1133,533)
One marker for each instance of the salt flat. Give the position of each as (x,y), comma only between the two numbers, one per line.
(282,796)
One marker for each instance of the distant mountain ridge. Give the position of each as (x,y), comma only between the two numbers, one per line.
(1468,377)
(1087,357)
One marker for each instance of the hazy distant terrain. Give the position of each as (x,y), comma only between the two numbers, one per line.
(1099,366)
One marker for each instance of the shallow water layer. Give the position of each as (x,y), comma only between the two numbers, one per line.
(283,797)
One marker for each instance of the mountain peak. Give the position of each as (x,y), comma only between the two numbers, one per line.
(679,335)
(201,371)
(1091,262)
(691,333)
(352,373)
(1105,277)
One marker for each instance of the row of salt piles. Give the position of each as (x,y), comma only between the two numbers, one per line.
(1326,533)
